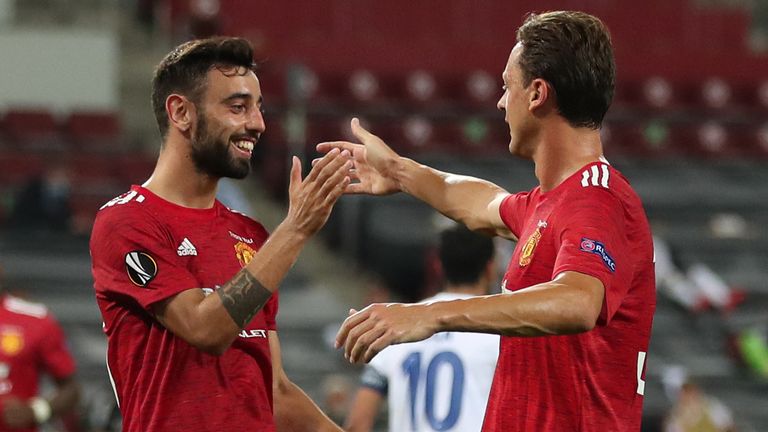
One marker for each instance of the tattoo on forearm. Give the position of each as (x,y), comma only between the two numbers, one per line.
(243,297)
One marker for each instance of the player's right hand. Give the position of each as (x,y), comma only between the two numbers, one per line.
(374,162)
(365,333)
(311,199)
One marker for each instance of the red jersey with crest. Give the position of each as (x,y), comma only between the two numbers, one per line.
(592,223)
(144,250)
(31,344)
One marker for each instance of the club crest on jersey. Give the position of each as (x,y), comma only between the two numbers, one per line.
(244,253)
(11,342)
(141,268)
(530,246)
(597,248)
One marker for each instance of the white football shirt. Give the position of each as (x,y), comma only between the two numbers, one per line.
(438,384)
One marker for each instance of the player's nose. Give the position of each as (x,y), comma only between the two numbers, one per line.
(255,122)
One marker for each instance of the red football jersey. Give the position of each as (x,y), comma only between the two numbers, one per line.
(31,344)
(144,250)
(592,223)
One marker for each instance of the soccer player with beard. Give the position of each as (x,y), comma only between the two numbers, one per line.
(578,296)
(186,286)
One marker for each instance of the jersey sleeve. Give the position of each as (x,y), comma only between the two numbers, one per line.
(270,311)
(593,241)
(375,375)
(373,379)
(55,357)
(512,211)
(134,256)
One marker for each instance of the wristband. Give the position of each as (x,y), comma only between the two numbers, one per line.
(41,409)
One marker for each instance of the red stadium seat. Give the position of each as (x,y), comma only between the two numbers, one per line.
(133,169)
(392,89)
(716,93)
(84,207)
(761,95)
(95,173)
(754,140)
(482,89)
(644,139)
(704,139)
(714,140)
(657,92)
(363,85)
(16,167)
(95,131)
(421,86)
(272,79)
(32,129)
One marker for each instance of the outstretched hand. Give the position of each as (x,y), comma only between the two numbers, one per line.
(364,334)
(311,199)
(374,162)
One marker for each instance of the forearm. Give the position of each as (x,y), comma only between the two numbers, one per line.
(66,397)
(296,412)
(246,293)
(462,198)
(365,407)
(547,309)
(276,257)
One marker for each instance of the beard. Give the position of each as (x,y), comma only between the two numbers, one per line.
(211,155)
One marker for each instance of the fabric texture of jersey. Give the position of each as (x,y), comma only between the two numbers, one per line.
(438,384)
(592,223)
(145,250)
(31,344)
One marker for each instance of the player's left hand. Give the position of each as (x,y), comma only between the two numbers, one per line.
(365,333)
(17,414)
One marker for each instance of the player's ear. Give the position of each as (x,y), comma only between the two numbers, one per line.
(539,93)
(181,112)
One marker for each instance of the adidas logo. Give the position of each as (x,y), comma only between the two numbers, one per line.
(186,248)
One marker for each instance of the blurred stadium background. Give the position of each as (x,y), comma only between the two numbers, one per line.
(688,126)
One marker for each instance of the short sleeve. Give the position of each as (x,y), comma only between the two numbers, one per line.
(593,241)
(134,257)
(373,379)
(55,357)
(381,364)
(512,211)
(270,311)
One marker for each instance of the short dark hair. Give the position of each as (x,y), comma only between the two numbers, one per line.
(464,254)
(184,70)
(571,51)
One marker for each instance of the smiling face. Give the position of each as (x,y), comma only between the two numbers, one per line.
(229,123)
(515,104)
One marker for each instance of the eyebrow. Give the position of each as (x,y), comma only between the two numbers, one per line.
(234,96)
(241,95)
